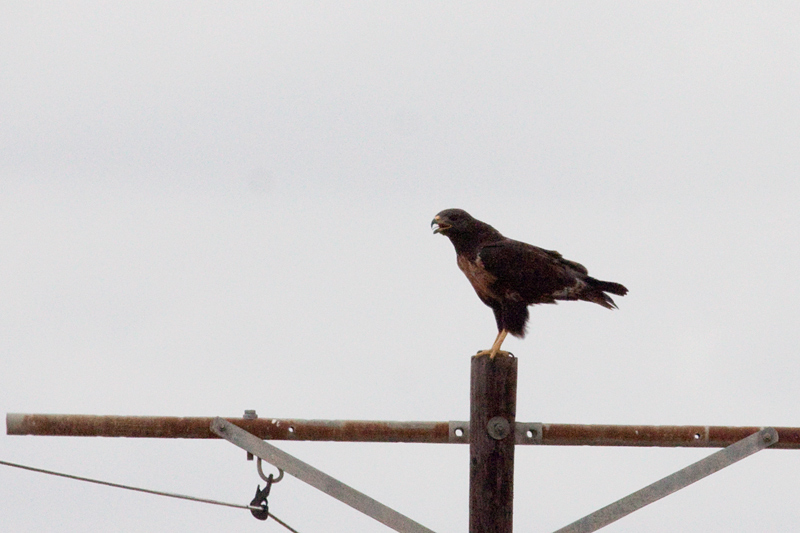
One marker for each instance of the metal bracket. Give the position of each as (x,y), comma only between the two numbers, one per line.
(458,432)
(524,432)
(674,482)
(528,432)
(316,478)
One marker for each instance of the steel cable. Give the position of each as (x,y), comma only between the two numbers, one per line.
(147,491)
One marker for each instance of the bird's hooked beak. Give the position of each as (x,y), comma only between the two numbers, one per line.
(439,225)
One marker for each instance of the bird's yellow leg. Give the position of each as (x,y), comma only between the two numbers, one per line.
(497,343)
(495,349)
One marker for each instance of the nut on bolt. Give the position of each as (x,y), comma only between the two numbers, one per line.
(498,428)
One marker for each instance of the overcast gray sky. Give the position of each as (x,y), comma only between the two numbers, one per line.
(207,207)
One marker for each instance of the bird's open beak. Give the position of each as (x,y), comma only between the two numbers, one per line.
(439,226)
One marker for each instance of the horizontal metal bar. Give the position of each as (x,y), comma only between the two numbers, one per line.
(665,436)
(198,428)
(674,482)
(384,431)
(316,478)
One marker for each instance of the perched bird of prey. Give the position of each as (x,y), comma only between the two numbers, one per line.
(510,275)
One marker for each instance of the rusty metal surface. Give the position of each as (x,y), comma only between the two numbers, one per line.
(198,428)
(664,436)
(376,431)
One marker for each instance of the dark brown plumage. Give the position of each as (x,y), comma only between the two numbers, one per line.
(510,275)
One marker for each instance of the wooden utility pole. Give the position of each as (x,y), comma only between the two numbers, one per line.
(493,409)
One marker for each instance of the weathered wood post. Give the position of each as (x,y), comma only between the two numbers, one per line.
(493,409)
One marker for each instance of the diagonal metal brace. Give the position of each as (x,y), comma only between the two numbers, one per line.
(674,482)
(316,478)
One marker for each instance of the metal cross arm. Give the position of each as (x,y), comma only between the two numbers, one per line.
(316,478)
(674,482)
(454,432)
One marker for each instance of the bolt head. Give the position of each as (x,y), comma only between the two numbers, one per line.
(498,428)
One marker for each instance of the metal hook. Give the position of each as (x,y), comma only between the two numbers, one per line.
(265,478)
(259,507)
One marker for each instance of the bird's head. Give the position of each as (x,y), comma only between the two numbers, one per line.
(466,233)
(452,222)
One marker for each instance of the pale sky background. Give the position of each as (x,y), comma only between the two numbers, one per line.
(207,207)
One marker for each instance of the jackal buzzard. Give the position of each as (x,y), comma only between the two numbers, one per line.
(510,275)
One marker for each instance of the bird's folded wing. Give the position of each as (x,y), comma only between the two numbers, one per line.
(529,270)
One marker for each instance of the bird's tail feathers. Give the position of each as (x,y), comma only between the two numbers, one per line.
(608,286)
(599,295)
